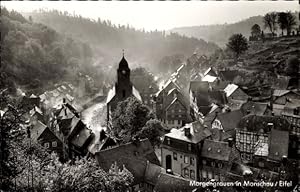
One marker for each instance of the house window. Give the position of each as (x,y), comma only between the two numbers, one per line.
(189,147)
(186,173)
(54,144)
(192,161)
(204,174)
(173,111)
(123,93)
(186,159)
(179,115)
(168,141)
(204,162)
(174,156)
(220,165)
(192,174)
(213,164)
(46,145)
(210,176)
(179,110)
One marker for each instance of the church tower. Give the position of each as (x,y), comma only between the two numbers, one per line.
(121,91)
(123,84)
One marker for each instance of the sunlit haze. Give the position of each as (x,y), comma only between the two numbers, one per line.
(160,15)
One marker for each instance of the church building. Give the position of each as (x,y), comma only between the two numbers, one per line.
(121,91)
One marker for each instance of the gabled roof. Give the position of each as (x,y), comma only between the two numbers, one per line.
(230,120)
(279,93)
(81,138)
(216,150)
(254,108)
(37,130)
(133,155)
(197,133)
(279,144)
(136,93)
(152,173)
(111,94)
(210,71)
(209,78)
(228,75)
(230,88)
(199,86)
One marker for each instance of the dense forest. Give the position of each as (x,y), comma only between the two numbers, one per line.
(142,48)
(220,33)
(36,56)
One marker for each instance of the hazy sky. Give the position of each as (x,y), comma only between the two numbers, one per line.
(161,15)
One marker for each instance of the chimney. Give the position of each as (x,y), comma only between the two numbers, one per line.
(271,100)
(187,132)
(249,98)
(230,142)
(270,126)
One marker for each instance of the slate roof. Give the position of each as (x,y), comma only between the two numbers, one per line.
(228,75)
(112,93)
(216,150)
(197,130)
(172,183)
(81,138)
(279,144)
(279,93)
(37,130)
(230,89)
(209,78)
(133,155)
(152,173)
(230,120)
(199,86)
(254,108)
(254,123)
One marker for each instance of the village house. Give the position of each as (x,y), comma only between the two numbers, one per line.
(122,89)
(138,157)
(171,106)
(224,124)
(181,147)
(66,123)
(199,99)
(253,131)
(48,139)
(234,92)
(216,159)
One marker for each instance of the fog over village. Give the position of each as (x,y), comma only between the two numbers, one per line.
(150,96)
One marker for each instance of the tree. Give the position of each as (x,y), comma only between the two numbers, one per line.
(282,21)
(238,44)
(10,133)
(270,21)
(290,22)
(255,30)
(131,120)
(152,130)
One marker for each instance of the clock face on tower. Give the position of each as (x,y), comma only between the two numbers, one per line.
(123,72)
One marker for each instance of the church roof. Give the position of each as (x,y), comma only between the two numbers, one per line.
(111,94)
(123,62)
(136,93)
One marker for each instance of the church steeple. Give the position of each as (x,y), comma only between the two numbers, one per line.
(123,73)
